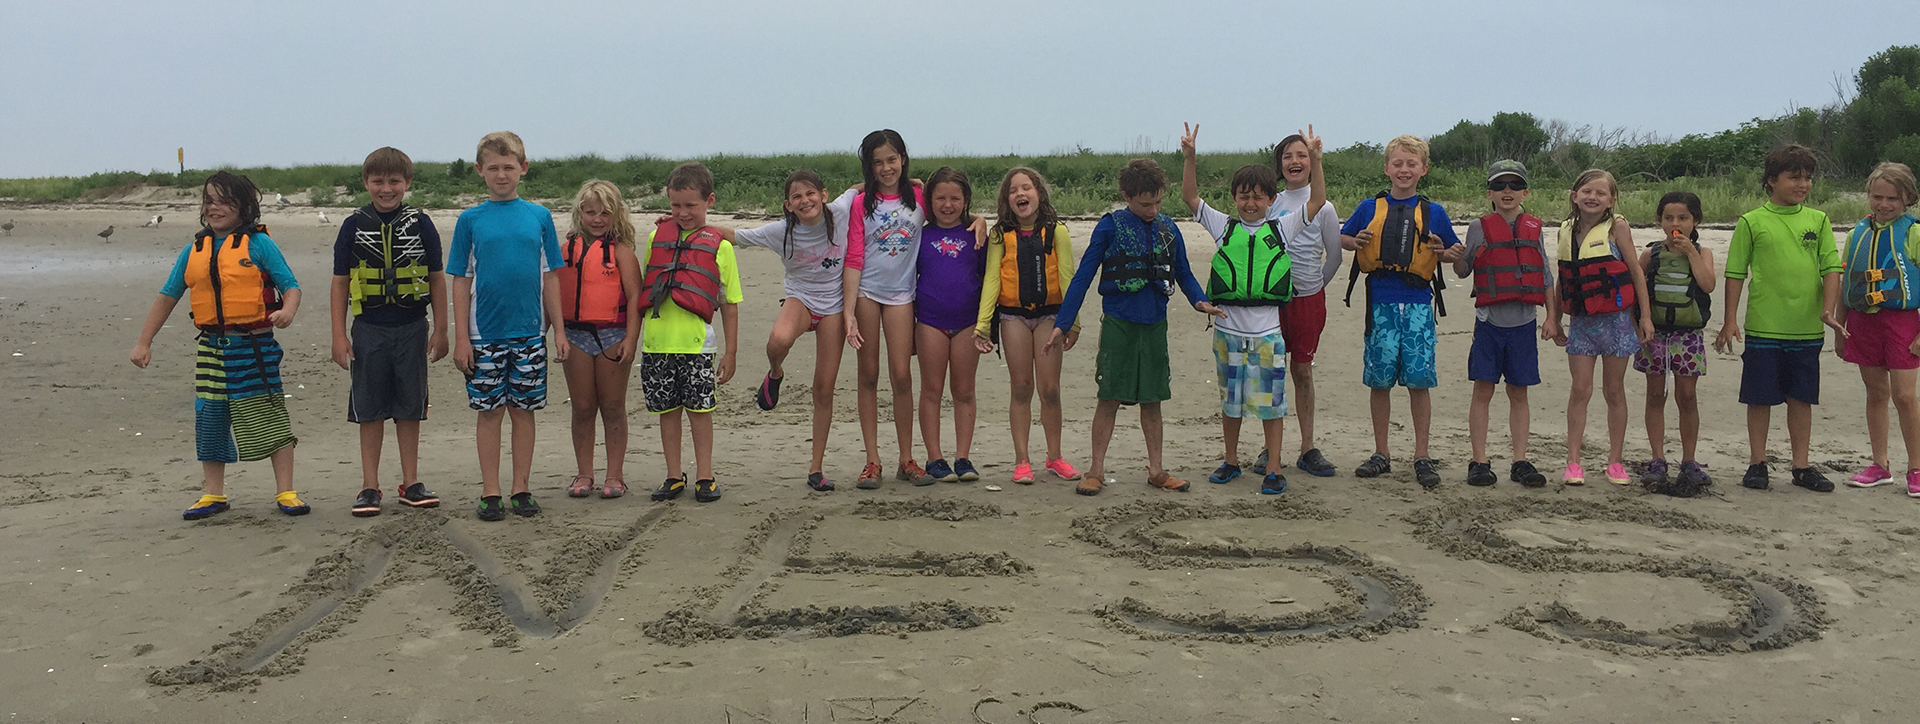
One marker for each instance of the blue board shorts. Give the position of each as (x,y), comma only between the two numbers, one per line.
(1400,346)
(1510,353)
(508,373)
(1776,370)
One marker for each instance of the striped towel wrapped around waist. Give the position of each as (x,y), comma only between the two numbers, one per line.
(240,412)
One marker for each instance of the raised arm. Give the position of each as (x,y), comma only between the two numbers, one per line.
(1189,169)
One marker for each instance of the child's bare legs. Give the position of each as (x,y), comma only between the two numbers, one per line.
(407,434)
(787,328)
(702,424)
(1759,417)
(866,314)
(215,477)
(963,364)
(1230,429)
(583,389)
(829,345)
(932,344)
(1579,392)
(897,322)
(1657,415)
(1519,420)
(1799,432)
(1380,403)
(1150,429)
(215,474)
(610,379)
(1103,418)
(487,438)
(1421,401)
(1613,387)
(1879,393)
(1016,341)
(1686,396)
(1046,379)
(670,442)
(1477,418)
(373,435)
(522,449)
(1303,405)
(1907,402)
(1276,434)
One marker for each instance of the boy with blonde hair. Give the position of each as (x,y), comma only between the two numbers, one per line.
(1400,238)
(505,262)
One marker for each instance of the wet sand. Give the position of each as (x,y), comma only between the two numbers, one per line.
(1345,599)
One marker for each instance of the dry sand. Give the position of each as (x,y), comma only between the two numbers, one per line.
(1344,600)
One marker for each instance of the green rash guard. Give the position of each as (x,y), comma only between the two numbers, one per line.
(1782,252)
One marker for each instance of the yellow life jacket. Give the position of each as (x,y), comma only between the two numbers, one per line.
(1030,273)
(228,291)
(1399,242)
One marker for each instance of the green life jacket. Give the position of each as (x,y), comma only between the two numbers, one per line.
(1251,268)
(1679,304)
(390,261)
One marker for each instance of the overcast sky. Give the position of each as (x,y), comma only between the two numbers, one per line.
(97,86)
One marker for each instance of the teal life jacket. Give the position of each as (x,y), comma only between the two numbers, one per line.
(1140,255)
(1251,268)
(1679,304)
(1879,274)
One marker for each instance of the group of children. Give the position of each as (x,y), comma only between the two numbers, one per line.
(914,269)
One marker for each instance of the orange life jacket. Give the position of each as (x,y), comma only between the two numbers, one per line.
(226,289)
(590,288)
(1510,266)
(1030,273)
(685,270)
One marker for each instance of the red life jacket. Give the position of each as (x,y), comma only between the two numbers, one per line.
(1593,279)
(590,289)
(685,270)
(1509,267)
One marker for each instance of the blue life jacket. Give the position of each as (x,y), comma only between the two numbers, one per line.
(1140,255)
(1879,274)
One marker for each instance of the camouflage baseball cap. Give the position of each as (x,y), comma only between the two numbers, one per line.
(1506,167)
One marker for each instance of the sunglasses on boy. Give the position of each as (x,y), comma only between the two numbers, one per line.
(1515,185)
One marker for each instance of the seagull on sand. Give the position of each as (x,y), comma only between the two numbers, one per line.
(153,222)
(107,233)
(7,228)
(280,199)
(324,220)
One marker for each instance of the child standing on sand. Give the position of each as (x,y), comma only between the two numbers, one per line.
(387,275)
(1882,317)
(599,286)
(1607,297)
(883,248)
(1029,263)
(241,289)
(1788,251)
(505,262)
(1140,257)
(1508,265)
(811,238)
(949,273)
(690,278)
(1680,280)
(1251,279)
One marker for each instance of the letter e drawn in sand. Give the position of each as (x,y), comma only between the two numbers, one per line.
(493,600)
(1373,598)
(1769,611)
(781,546)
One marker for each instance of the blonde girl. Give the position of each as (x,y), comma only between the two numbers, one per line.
(598,285)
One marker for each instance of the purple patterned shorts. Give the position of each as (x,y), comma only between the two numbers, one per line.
(1681,354)
(1603,335)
